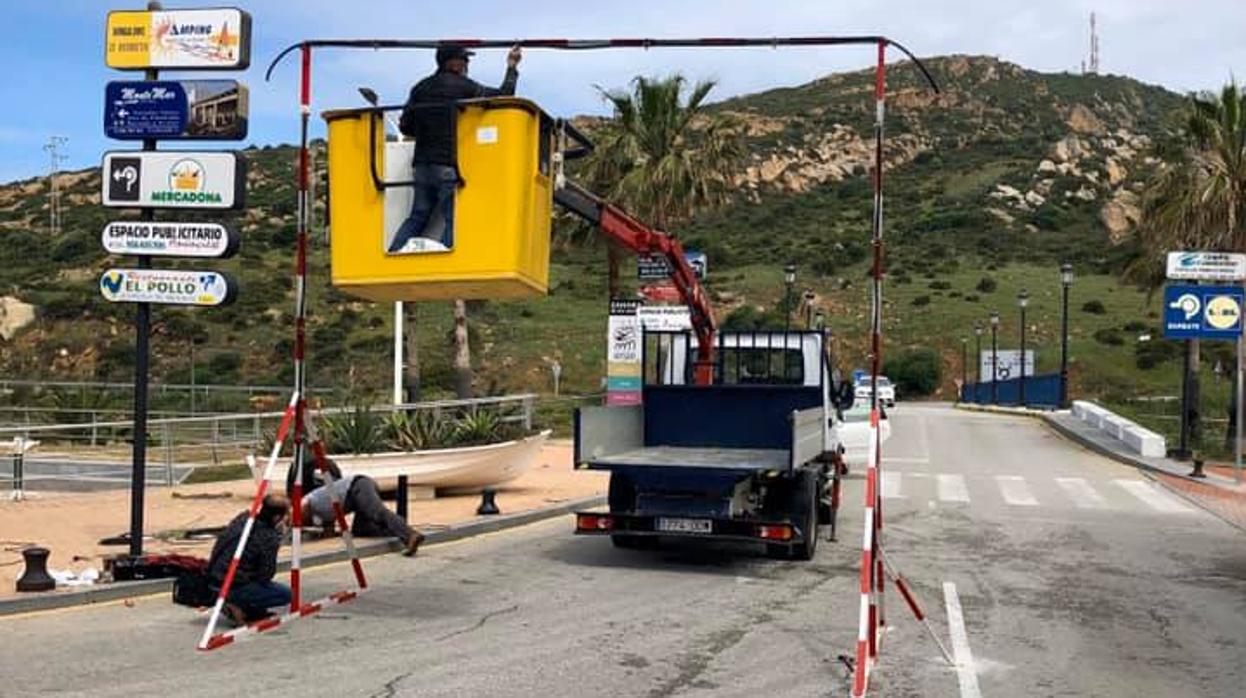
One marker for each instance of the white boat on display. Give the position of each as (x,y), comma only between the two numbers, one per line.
(464,469)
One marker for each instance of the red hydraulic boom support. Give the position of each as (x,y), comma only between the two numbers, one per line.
(642,239)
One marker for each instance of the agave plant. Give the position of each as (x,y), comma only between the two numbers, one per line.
(476,428)
(419,431)
(357,431)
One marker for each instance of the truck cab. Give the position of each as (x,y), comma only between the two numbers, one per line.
(753,456)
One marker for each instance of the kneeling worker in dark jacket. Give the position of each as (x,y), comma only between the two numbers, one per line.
(359,495)
(253,590)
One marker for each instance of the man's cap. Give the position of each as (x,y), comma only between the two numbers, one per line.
(446,53)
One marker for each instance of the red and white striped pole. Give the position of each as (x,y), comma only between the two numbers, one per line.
(872,617)
(286,419)
(866,624)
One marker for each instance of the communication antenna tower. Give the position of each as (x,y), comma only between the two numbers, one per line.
(53,147)
(1092,68)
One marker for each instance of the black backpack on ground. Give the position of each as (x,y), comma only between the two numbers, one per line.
(194,590)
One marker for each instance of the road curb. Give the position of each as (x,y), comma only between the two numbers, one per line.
(996,409)
(147,587)
(1148,469)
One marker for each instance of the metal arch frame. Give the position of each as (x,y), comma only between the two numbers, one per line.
(872,619)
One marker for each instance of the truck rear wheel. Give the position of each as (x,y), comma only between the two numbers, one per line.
(804,515)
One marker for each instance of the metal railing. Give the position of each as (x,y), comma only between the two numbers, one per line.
(177,446)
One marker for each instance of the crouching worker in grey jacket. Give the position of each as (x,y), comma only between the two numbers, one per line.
(359,495)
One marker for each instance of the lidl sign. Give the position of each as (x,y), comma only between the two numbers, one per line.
(172,179)
(1203,312)
(171,287)
(212,39)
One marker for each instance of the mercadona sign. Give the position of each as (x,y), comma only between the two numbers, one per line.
(181,179)
(167,286)
(214,240)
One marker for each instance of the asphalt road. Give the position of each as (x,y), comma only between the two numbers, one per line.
(1076,576)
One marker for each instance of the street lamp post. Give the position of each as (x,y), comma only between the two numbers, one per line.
(1023,300)
(1066,280)
(977,355)
(809,297)
(994,357)
(789,280)
(964,368)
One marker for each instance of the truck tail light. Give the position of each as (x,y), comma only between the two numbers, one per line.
(775,532)
(593,522)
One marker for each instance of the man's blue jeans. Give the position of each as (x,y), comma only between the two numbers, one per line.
(434,187)
(256,598)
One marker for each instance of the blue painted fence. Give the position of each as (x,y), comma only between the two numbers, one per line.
(1042,390)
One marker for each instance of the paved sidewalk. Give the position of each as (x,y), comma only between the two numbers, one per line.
(1217,493)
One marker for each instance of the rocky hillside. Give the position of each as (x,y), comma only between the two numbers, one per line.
(1004,165)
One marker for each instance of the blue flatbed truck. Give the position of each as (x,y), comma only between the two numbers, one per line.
(753,456)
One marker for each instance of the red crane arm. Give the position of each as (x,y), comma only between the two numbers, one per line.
(621,227)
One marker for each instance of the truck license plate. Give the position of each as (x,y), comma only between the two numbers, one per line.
(666,525)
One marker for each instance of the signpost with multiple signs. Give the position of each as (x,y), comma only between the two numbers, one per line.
(1207,312)
(150,110)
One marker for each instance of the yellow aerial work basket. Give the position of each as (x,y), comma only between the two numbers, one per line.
(499,247)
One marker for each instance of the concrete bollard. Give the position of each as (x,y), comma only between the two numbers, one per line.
(36,577)
(488,505)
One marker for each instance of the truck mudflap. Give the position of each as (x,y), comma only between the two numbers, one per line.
(601,523)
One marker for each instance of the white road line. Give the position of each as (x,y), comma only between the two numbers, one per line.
(1015,491)
(925,437)
(891,485)
(1151,495)
(1083,495)
(952,488)
(965,672)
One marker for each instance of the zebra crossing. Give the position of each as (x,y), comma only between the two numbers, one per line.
(1022,492)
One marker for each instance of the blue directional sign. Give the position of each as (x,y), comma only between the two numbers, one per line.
(1203,312)
(175,109)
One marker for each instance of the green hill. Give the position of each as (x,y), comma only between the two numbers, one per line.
(1004,174)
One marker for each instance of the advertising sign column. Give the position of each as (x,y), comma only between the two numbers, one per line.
(148,110)
(623,353)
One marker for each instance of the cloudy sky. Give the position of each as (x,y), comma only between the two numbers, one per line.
(55,82)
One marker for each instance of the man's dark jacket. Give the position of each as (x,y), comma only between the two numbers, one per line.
(259,559)
(429,115)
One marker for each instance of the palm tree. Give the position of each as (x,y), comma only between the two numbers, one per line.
(662,157)
(462,353)
(1197,199)
(411,347)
